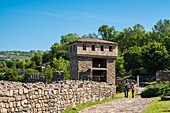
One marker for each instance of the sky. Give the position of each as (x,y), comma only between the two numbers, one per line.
(37,24)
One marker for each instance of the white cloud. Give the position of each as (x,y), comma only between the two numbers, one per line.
(50,14)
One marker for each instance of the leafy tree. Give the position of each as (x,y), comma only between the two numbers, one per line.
(119,65)
(20,64)
(11,64)
(30,64)
(1,76)
(58,50)
(155,57)
(62,65)
(131,37)
(107,33)
(162,27)
(37,58)
(132,58)
(11,74)
(47,72)
(71,37)
(2,64)
(90,35)
(28,72)
(46,57)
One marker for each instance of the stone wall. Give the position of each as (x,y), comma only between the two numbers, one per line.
(73,68)
(162,76)
(50,98)
(111,71)
(35,78)
(84,68)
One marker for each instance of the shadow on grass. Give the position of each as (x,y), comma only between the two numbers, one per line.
(166,111)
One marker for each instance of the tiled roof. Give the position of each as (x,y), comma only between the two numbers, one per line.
(94,40)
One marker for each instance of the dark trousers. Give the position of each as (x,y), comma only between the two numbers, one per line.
(126,92)
(132,93)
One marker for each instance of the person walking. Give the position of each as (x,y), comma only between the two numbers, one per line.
(133,89)
(126,88)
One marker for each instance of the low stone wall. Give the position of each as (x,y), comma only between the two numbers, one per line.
(50,98)
(162,76)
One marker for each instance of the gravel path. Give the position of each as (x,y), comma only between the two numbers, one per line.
(124,105)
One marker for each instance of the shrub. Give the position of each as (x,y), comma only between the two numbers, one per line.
(156,90)
(120,86)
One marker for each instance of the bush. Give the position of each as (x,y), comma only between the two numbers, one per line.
(156,90)
(120,86)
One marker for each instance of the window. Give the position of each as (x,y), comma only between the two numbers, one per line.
(93,47)
(110,48)
(101,47)
(74,48)
(99,63)
(84,46)
(70,48)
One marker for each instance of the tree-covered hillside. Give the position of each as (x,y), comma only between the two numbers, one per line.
(13,55)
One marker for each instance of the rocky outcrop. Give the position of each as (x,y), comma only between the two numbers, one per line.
(53,98)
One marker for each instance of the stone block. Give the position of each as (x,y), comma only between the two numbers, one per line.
(25,91)
(2,94)
(3,110)
(18,98)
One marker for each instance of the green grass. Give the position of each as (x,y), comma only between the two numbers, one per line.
(88,104)
(157,106)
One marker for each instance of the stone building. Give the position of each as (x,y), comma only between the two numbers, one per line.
(93,59)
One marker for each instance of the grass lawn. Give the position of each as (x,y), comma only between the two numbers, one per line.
(88,104)
(157,106)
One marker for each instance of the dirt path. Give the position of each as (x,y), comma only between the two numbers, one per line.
(124,105)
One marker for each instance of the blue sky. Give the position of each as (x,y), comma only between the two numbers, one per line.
(37,24)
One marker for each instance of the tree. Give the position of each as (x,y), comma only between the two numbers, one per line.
(11,74)
(58,50)
(132,58)
(10,64)
(131,37)
(71,37)
(119,65)
(107,33)
(37,58)
(62,65)
(20,64)
(155,57)
(28,72)
(30,64)
(47,72)
(162,26)
(90,35)
(46,57)
(2,64)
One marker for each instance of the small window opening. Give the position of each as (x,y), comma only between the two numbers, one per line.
(110,48)
(101,47)
(70,48)
(84,46)
(93,47)
(74,48)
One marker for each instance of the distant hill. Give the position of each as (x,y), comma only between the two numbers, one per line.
(13,55)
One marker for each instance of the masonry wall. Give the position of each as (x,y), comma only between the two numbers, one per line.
(73,68)
(50,98)
(97,51)
(162,76)
(84,68)
(111,71)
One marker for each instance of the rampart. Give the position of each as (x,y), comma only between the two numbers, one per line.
(50,98)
